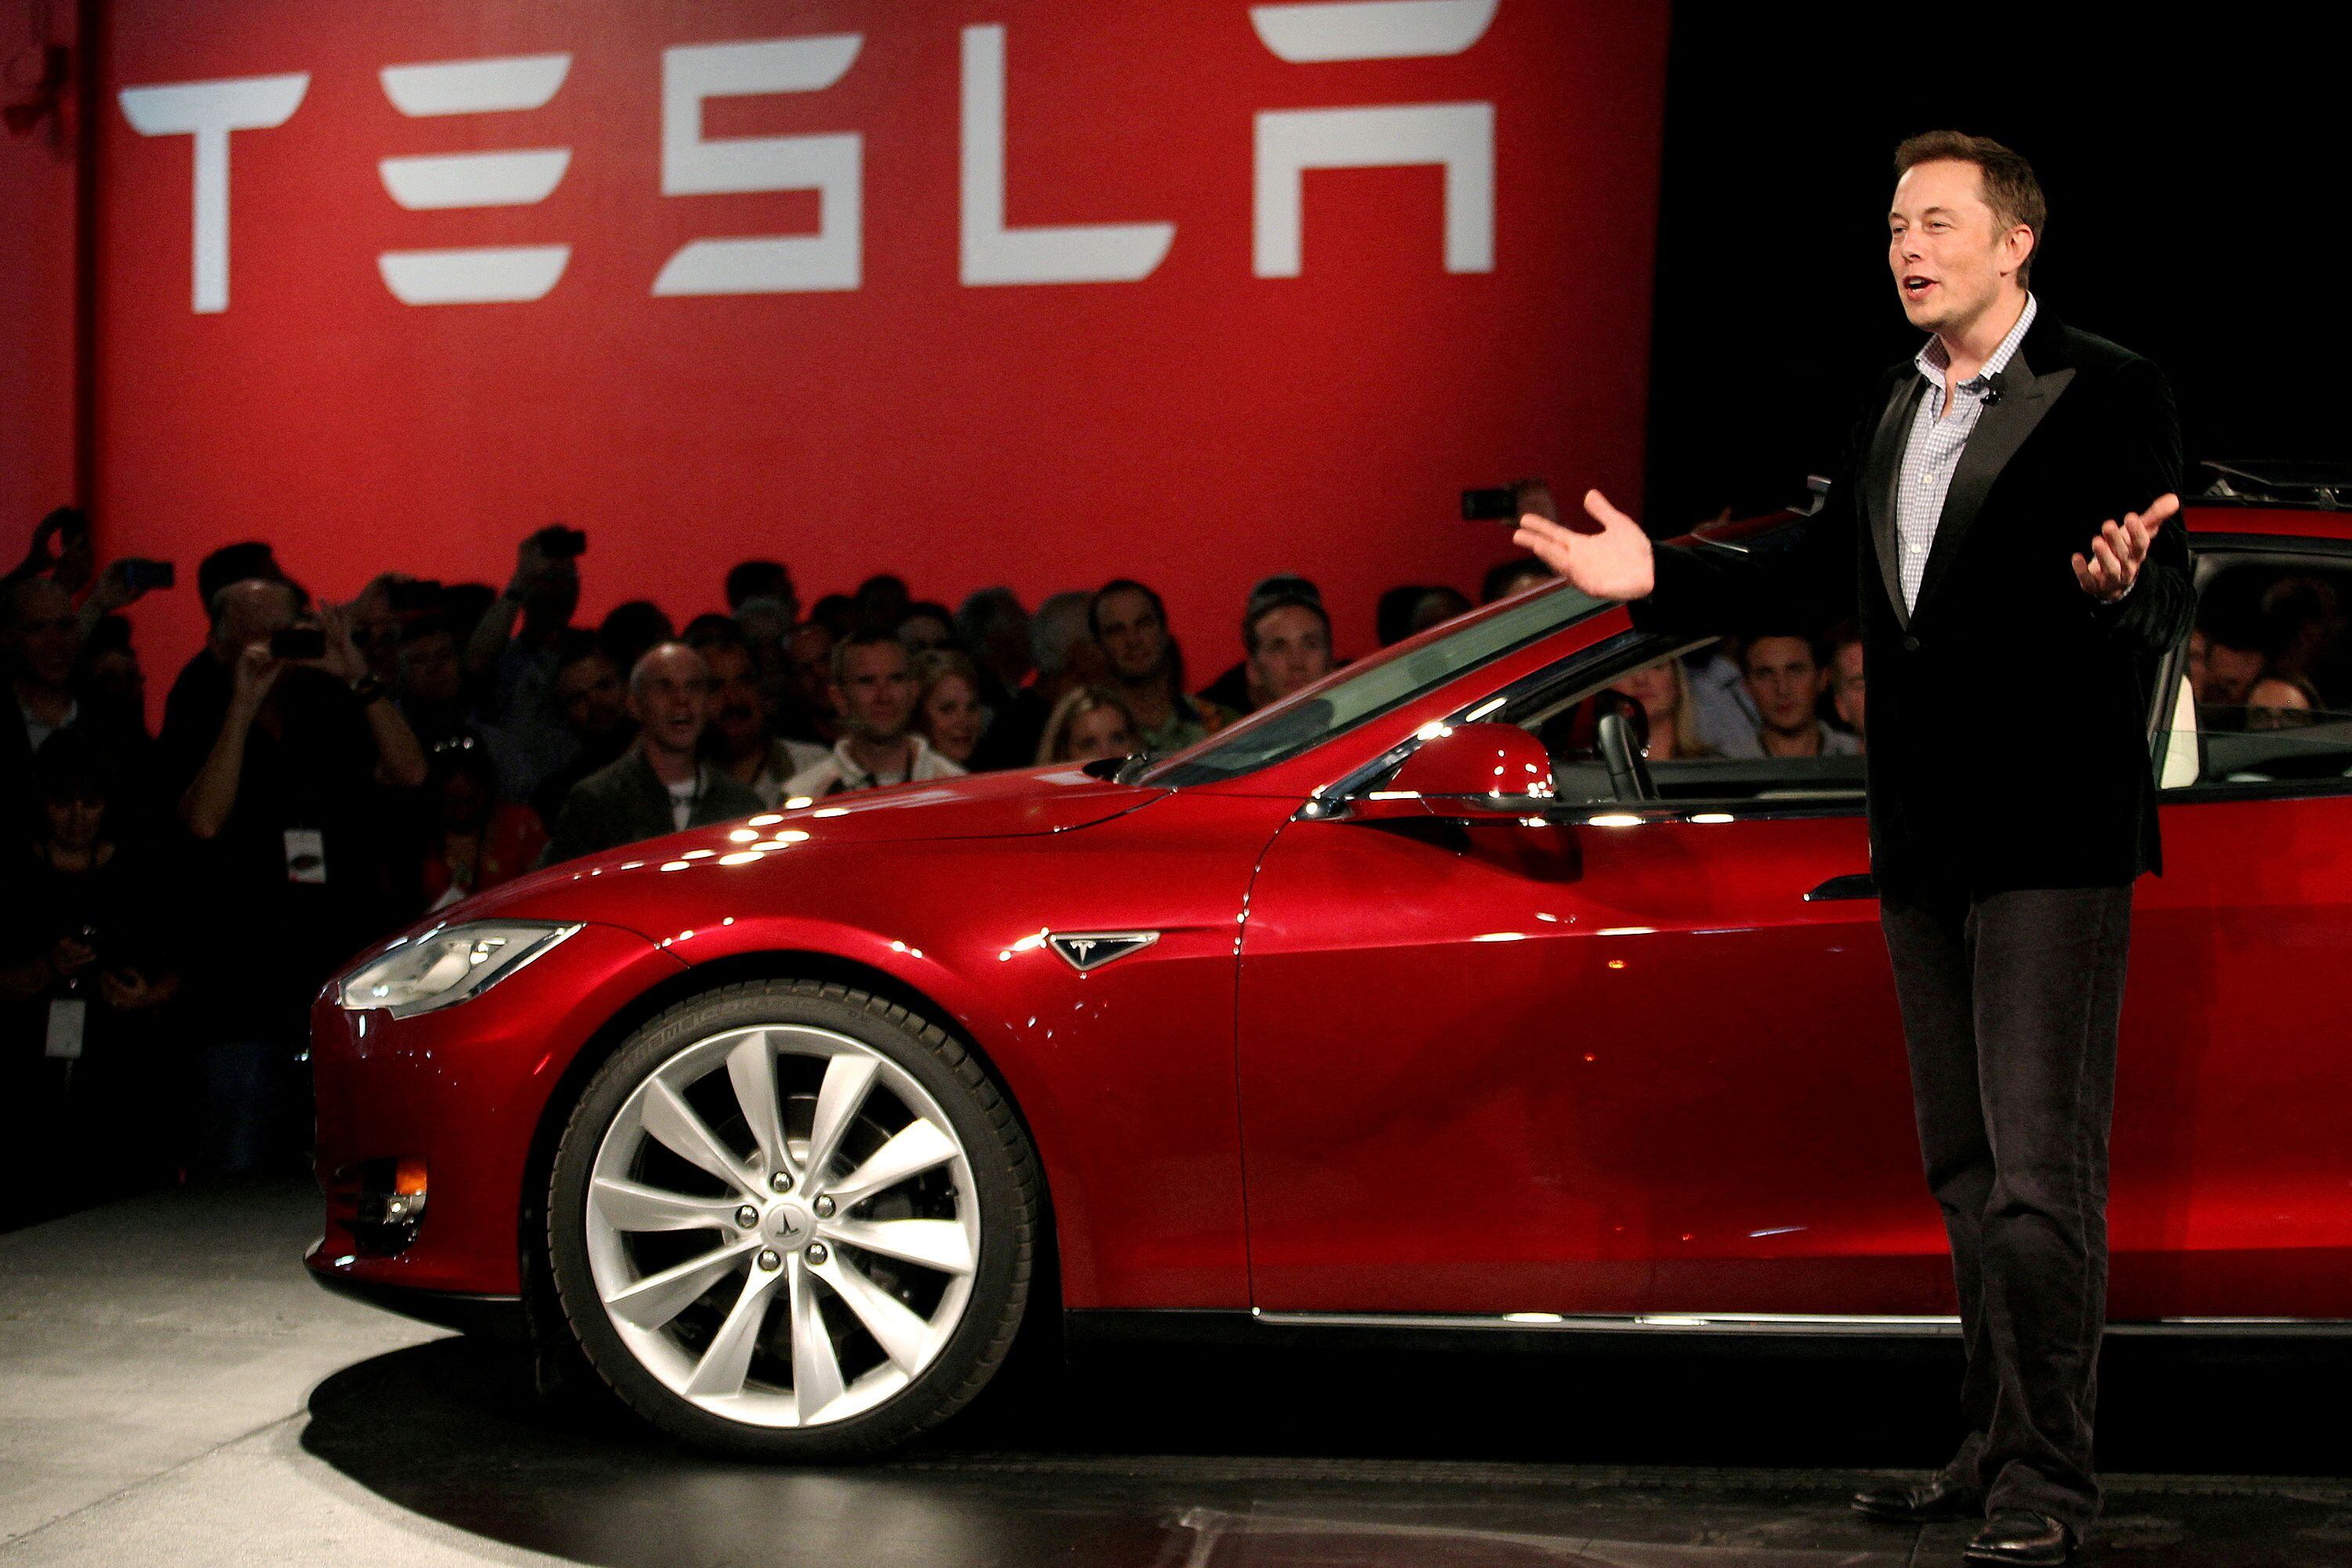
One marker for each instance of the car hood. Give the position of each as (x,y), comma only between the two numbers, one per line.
(1052,799)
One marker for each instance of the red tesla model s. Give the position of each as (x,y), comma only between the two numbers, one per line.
(1435,996)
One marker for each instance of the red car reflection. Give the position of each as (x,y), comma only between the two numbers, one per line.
(1423,998)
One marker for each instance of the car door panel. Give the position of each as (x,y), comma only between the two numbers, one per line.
(1561,1069)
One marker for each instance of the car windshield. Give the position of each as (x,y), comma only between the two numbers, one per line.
(1368,689)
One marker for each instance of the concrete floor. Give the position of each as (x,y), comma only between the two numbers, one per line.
(173,1391)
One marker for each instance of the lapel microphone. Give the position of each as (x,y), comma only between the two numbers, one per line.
(1995,387)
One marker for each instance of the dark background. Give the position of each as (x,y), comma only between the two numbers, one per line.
(2197,215)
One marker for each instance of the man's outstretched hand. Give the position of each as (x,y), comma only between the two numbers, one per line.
(1608,557)
(2118,549)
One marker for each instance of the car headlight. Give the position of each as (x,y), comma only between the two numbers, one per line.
(446,965)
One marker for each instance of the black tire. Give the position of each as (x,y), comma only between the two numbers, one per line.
(1003,1170)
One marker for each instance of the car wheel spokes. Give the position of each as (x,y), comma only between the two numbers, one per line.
(751,1070)
(847,1080)
(633,1206)
(914,1149)
(652,1301)
(934,1243)
(673,1122)
(723,1295)
(817,1371)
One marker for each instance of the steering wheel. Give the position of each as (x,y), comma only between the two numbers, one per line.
(1619,729)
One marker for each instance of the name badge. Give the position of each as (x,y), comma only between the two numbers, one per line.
(66,1017)
(306,855)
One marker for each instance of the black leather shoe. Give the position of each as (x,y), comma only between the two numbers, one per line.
(1915,1504)
(2020,1535)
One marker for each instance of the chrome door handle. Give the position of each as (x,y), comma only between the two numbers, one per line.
(1855,885)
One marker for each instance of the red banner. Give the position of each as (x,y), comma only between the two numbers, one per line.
(1023,292)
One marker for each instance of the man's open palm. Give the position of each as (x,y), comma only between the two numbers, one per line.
(1608,556)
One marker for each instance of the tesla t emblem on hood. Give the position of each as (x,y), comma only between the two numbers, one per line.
(1093,949)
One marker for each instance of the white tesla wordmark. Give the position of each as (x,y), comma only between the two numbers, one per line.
(209,111)
(1458,138)
(474,275)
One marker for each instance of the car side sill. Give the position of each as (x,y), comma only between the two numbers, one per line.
(1241,1325)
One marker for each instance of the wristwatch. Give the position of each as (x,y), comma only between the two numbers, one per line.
(367,689)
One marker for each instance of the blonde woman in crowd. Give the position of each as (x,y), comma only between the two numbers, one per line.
(948,709)
(1087,724)
(1663,691)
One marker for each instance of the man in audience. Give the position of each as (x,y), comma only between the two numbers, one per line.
(766,625)
(1845,678)
(1147,668)
(739,740)
(1509,577)
(593,704)
(995,629)
(874,692)
(515,665)
(428,682)
(926,626)
(998,634)
(806,713)
(661,783)
(286,772)
(881,602)
(1239,690)
(2230,659)
(837,613)
(39,638)
(749,580)
(1437,604)
(1787,673)
(1288,638)
(1062,646)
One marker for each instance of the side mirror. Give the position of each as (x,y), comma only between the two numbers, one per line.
(1470,771)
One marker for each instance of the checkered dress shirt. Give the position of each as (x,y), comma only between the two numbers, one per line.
(1933,451)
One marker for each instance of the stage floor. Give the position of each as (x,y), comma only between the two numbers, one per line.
(173,1390)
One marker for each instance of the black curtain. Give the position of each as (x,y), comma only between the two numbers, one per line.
(2197,215)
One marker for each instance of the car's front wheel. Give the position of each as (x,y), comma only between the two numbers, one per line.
(792,1220)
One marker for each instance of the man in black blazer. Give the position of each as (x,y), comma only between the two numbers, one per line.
(2003,516)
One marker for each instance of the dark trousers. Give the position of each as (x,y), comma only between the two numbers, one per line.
(2009,1002)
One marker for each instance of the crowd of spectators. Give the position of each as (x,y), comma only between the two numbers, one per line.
(326,773)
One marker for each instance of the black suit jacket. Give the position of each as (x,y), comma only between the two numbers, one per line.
(2007,729)
(626,801)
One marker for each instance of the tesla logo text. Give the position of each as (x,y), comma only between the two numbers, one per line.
(1289,144)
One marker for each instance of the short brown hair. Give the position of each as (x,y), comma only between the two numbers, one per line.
(2009,187)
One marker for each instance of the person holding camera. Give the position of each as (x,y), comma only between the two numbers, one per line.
(286,754)
(87,967)
(518,645)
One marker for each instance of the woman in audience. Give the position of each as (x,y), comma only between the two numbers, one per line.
(1088,726)
(948,709)
(2280,700)
(1663,691)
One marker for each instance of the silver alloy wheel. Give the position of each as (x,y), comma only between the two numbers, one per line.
(722,1294)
